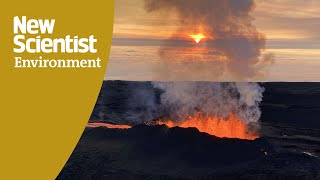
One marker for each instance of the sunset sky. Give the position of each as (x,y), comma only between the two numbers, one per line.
(291,27)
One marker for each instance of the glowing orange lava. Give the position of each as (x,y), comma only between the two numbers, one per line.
(197,37)
(230,128)
(111,126)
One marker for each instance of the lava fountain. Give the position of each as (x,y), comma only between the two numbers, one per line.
(232,127)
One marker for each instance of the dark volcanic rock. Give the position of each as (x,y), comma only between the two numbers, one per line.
(158,151)
(292,104)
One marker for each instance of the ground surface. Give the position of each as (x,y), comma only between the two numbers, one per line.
(288,149)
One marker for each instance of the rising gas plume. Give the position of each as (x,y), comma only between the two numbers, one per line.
(216,40)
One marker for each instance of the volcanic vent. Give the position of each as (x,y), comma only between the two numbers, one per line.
(221,109)
(232,127)
(228,110)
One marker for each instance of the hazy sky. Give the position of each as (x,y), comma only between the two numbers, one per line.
(291,27)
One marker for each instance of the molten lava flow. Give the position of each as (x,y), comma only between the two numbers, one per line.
(230,128)
(111,126)
(197,37)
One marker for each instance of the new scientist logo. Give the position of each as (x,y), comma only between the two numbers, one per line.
(37,44)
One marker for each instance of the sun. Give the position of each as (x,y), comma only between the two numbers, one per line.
(197,37)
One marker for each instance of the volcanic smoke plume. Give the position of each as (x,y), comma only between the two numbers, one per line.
(215,40)
(232,46)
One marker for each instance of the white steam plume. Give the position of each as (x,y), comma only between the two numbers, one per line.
(182,99)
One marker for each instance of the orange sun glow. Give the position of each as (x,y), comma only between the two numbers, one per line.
(197,37)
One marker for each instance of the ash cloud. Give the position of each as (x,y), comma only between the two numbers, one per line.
(230,32)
